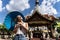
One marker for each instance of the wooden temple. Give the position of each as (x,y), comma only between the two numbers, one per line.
(40,26)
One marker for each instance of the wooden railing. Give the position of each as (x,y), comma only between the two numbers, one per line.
(44,39)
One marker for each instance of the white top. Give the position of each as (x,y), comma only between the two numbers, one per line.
(19,31)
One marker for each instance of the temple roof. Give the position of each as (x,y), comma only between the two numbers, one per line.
(36,12)
(46,16)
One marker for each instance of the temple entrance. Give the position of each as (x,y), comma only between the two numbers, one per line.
(39,32)
(37,35)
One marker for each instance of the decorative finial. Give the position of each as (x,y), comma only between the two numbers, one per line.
(37,2)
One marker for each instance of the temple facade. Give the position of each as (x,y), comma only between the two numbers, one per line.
(40,25)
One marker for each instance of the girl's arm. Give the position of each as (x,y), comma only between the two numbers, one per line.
(25,26)
(15,28)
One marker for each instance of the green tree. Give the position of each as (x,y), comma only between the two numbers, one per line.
(58,27)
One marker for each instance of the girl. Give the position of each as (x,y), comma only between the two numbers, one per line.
(20,29)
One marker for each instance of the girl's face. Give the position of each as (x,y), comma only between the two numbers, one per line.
(19,18)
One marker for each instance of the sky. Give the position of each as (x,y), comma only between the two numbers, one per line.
(26,6)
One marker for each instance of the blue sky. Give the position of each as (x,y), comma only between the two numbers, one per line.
(53,7)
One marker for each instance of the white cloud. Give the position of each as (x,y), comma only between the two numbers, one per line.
(0,5)
(1,8)
(18,5)
(47,6)
(1,23)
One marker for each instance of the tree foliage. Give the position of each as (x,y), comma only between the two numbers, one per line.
(58,27)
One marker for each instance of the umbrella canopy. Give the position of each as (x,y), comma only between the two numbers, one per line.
(9,20)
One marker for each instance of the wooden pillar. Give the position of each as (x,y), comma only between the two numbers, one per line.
(31,35)
(43,35)
(27,35)
(52,31)
(49,30)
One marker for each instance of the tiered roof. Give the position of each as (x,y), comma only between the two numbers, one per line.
(46,16)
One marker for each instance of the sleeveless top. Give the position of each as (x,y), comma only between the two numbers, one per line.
(19,29)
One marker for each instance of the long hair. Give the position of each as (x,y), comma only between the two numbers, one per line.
(16,20)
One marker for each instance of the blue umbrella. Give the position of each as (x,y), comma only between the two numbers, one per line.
(9,20)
